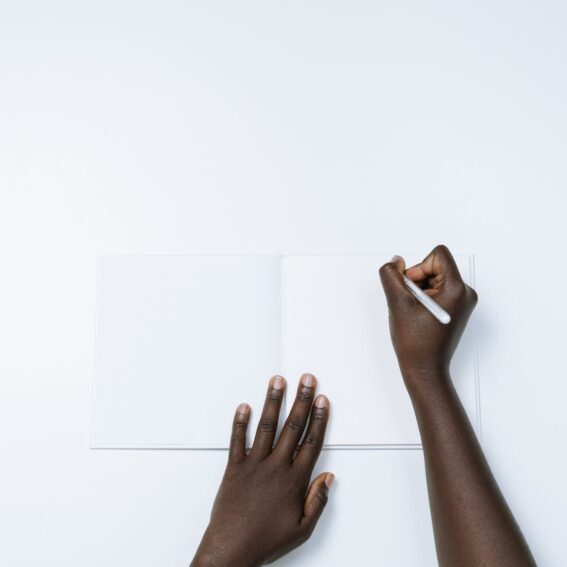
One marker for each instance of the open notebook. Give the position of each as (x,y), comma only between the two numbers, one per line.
(181,340)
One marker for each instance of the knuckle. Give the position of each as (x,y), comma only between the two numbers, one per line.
(473,295)
(295,424)
(319,415)
(267,426)
(305,394)
(386,268)
(236,438)
(322,497)
(306,533)
(460,289)
(274,396)
(312,440)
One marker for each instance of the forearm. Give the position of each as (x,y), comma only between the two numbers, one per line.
(472,523)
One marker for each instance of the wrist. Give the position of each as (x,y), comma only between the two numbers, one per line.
(423,379)
(216,551)
(207,557)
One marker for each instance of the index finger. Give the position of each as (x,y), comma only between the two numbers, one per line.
(391,276)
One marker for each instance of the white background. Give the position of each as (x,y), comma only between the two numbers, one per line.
(274,127)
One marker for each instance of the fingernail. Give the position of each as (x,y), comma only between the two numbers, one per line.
(396,259)
(278,383)
(321,401)
(243,409)
(329,479)
(308,380)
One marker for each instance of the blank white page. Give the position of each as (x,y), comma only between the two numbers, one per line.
(180,341)
(335,325)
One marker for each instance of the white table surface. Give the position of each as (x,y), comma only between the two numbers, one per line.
(260,127)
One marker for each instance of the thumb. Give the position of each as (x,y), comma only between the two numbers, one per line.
(316,500)
(391,275)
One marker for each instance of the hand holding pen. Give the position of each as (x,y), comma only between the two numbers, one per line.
(471,520)
(420,341)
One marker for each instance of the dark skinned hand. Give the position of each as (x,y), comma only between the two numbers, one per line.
(266,506)
(471,521)
(420,342)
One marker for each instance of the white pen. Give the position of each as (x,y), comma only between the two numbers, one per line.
(433,307)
